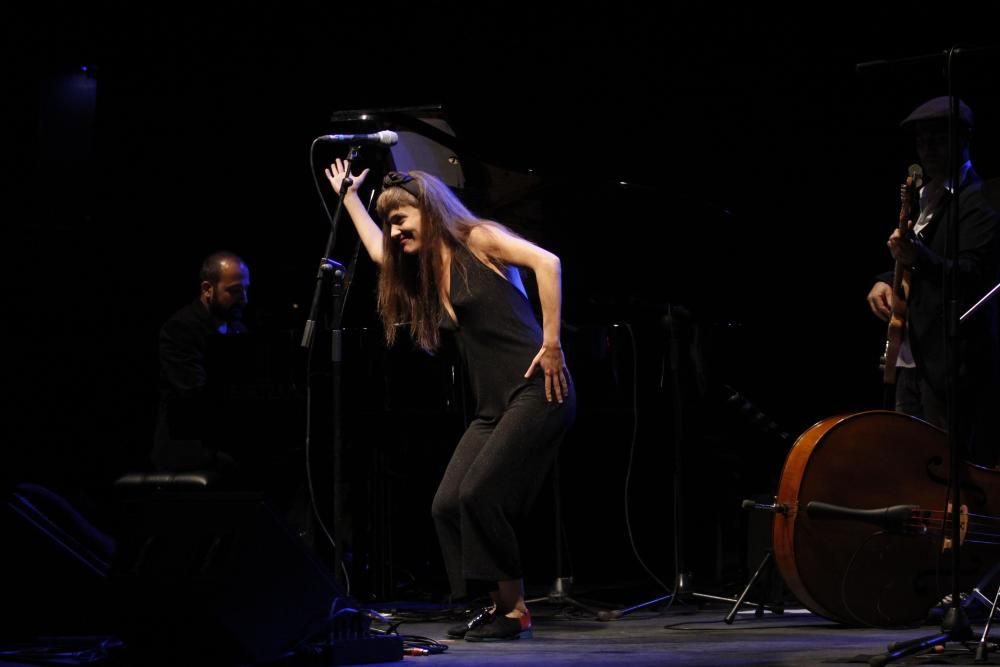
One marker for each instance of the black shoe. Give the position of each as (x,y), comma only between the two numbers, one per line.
(501,628)
(481,617)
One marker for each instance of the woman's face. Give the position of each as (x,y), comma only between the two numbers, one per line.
(405,225)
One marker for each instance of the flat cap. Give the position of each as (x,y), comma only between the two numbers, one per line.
(939,108)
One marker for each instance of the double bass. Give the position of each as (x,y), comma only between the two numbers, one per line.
(862,532)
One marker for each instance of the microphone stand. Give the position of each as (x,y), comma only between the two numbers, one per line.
(332,272)
(955,625)
(682,578)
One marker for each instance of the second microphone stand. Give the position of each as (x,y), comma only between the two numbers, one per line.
(955,626)
(682,578)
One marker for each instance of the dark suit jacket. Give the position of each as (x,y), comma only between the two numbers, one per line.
(978,272)
(181,421)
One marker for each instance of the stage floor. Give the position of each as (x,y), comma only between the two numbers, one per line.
(678,635)
(684,636)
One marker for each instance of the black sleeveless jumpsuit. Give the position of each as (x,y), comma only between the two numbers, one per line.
(504,455)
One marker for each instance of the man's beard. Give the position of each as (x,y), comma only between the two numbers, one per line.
(232,314)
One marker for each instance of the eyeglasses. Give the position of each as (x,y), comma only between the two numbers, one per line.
(400,179)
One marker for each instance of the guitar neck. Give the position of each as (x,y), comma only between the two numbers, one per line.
(900,280)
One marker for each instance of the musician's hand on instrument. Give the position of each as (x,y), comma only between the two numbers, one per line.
(879,300)
(336,173)
(903,247)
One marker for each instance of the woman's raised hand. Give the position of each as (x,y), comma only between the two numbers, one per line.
(336,173)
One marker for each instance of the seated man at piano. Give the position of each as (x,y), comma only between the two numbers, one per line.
(185,338)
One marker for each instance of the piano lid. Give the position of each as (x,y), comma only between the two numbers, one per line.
(428,142)
(579,211)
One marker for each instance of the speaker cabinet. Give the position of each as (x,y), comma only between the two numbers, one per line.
(215,578)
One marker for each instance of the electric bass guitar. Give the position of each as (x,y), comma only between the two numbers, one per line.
(908,193)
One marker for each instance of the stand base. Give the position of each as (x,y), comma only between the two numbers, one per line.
(681,592)
(954,629)
(559,594)
(779,608)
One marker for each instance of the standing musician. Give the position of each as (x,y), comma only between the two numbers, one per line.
(920,247)
(446,270)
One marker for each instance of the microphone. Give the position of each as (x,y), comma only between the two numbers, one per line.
(777,508)
(385,137)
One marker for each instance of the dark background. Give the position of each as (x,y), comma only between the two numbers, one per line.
(727,159)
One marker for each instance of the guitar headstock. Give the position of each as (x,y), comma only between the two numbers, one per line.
(908,194)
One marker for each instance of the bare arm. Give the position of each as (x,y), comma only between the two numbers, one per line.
(496,242)
(368,230)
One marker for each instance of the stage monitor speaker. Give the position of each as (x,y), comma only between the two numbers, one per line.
(212,578)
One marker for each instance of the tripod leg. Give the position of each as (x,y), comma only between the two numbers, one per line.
(955,629)
(618,613)
(976,595)
(909,648)
(739,601)
(982,649)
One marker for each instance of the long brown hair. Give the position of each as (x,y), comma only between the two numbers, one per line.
(409,287)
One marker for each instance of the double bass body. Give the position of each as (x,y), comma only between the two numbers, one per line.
(860,573)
